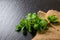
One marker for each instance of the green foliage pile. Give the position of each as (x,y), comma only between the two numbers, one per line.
(34,23)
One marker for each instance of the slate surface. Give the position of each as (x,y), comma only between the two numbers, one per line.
(11,11)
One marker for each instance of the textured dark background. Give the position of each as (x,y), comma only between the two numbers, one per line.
(12,10)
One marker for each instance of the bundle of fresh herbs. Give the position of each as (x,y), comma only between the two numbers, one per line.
(32,23)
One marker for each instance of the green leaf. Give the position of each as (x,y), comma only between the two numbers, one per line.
(22,22)
(43,23)
(28,17)
(18,27)
(52,18)
(34,15)
(35,26)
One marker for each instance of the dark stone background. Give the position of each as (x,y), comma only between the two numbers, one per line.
(11,11)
